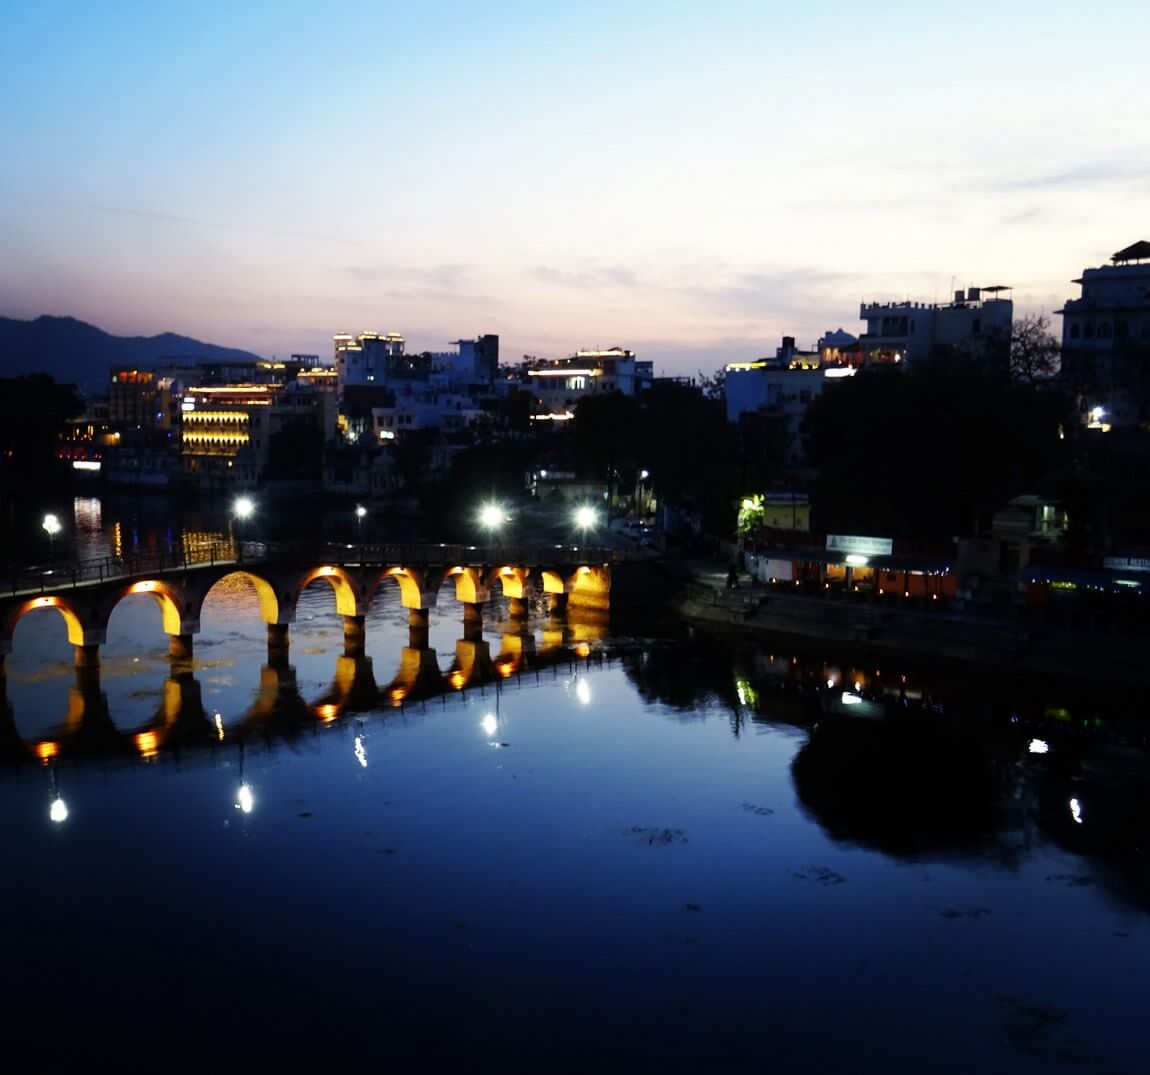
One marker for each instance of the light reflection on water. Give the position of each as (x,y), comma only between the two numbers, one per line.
(596,864)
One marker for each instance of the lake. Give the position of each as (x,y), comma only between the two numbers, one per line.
(610,849)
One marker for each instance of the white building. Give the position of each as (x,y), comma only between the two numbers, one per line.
(560,384)
(1106,341)
(367,358)
(903,332)
(784,386)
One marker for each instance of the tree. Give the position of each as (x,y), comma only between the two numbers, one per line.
(715,386)
(1034,350)
(929,452)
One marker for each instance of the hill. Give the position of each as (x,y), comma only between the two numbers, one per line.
(78,353)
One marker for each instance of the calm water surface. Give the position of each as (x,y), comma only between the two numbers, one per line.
(631,854)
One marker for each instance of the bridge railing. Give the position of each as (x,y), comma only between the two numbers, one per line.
(47,578)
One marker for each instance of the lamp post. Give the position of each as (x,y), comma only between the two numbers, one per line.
(360,515)
(52,527)
(491,518)
(243,508)
(586,518)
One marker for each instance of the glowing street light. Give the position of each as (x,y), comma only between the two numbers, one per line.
(52,526)
(245,799)
(58,810)
(243,508)
(586,518)
(492,517)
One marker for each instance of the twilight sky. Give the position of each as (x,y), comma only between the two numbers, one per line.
(692,180)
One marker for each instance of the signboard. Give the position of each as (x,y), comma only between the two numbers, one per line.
(1126,563)
(861,546)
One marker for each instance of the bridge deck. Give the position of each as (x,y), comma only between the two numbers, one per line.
(32,580)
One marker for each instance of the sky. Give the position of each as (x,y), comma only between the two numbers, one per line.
(690,180)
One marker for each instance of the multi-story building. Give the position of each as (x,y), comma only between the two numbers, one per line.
(228,426)
(366,359)
(1106,341)
(904,332)
(560,384)
(784,386)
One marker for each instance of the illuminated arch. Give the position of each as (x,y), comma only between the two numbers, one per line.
(469,587)
(410,582)
(75,627)
(515,581)
(163,595)
(346,603)
(553,582)
(269,603)
(590,587)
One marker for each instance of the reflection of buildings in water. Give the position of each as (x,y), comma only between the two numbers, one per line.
(904,788)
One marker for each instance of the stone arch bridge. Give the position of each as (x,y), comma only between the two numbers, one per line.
(85,593)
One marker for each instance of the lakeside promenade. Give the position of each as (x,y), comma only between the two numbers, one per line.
(1093,651)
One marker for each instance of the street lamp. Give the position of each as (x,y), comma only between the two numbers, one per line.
(243,508)
(491,518)
(360,515)
(52,526)
(586,518)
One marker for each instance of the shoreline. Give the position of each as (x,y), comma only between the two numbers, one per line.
(1005,643)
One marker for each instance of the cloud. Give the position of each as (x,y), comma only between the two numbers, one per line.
(176,218)
(1097,173)
(601,276)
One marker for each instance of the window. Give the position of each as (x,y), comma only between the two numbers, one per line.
(1088,331)
(1121,330)
(1074,331)
(1104,330)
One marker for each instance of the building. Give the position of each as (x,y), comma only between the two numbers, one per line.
(1106,341)
(231,427)
(904,332)
(782,387)
(558,385)
(368,358)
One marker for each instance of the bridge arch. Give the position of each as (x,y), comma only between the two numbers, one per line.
(170,600)
(515,582)
(346,600)
(271,607)
(413,588)
(76,633)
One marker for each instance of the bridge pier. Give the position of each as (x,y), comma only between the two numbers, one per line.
(180,649)
(354,636)
(557,604)
(472,612)
(517,608)
(87,668)
(279,644)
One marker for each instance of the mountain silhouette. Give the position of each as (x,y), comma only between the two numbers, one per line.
(74,352)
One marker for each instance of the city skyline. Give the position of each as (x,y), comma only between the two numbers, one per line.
(688,186)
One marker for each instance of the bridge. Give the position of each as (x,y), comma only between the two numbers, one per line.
(85,593)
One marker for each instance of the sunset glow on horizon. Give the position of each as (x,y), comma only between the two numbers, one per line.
(689,182)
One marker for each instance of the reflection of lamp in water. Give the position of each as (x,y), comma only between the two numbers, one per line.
(245,799)
(57,808)
(360,749)
(489,724)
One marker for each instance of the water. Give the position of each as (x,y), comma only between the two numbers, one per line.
(630,853)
